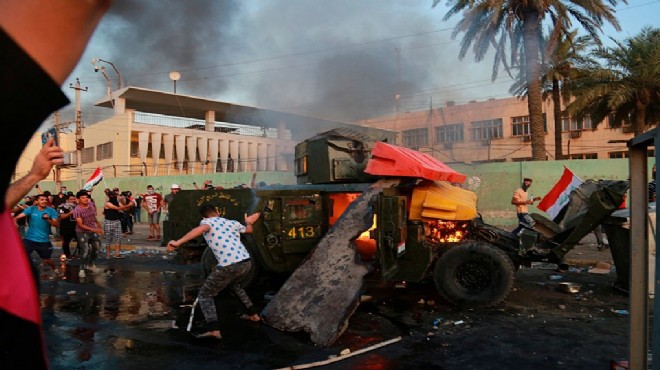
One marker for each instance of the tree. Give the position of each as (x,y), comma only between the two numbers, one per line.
(516,25)
(627,87)
(561,63)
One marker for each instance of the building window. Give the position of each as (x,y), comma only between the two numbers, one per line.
(489,129)
(623,154)
(573,124)
(416,138)
(449,133)
(520,126)
(104,151)
(584,156)
(87,155)
(135,149)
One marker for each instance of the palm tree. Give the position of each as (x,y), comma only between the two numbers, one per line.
(627,88)
(560,65)
(517,25)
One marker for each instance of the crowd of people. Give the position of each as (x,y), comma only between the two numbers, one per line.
(66,217)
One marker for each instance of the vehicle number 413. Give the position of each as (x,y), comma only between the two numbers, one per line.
(302,232)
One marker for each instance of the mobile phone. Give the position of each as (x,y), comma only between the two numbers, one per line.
(48,134)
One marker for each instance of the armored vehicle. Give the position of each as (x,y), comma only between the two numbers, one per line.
(422,227)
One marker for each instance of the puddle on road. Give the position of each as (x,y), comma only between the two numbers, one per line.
(122,318)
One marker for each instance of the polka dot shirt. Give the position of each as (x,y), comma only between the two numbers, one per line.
(224,238)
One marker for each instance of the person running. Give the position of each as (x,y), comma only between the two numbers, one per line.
(37,237)
(88,229)
(223,236)
(152,202)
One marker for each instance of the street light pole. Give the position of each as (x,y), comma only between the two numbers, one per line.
(97,67)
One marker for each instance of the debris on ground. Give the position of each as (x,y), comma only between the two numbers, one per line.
(601,268)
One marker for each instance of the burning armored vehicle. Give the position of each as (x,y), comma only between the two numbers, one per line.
(366,206)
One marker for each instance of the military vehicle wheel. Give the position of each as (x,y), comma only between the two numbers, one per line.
(474,274)
(209,262)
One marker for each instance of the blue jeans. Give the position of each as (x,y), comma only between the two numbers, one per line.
(524,220)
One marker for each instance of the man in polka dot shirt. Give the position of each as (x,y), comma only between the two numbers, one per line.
(223,236)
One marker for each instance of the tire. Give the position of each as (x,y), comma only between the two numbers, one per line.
(474,274)
(209,262)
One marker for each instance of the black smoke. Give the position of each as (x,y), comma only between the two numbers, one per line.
(342,60)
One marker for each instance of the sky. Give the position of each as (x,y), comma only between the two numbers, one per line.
(342,59)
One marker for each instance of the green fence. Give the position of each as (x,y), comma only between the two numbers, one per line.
(494,183)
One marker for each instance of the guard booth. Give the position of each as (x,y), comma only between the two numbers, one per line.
(639,255)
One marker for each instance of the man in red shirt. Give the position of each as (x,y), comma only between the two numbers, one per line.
(152,202)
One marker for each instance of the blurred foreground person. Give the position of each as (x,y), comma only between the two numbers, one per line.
(40,44)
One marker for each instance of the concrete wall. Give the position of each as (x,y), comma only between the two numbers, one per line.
(494,183)
(162,183)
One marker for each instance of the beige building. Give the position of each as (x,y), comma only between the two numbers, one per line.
(155,133)
(498,130)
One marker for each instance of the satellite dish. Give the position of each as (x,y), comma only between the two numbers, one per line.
(175,76)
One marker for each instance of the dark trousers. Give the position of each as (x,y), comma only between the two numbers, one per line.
(126,222)
(67,236)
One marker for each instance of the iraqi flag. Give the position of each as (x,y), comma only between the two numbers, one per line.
(93,180)
(21,341)
(557,197)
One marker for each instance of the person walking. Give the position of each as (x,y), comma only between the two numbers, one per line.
(88,229)
(223,236)
(152,203)
(37,237)
(138,209)
(521,201)
(112,223)
(67,223)
(168,199)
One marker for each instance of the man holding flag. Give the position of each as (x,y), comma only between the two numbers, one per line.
(521,202)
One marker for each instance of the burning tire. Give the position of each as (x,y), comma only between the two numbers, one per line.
(474,274)
(209,262)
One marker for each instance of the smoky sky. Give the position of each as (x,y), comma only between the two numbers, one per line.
(342,60)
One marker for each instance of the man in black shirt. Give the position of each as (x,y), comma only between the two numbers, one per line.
(67,223)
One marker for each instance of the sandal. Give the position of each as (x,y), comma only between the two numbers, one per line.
(208,335)
(118,256)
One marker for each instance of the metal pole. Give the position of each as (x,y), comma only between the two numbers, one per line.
(639,259)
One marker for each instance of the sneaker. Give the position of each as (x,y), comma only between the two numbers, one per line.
(602,247)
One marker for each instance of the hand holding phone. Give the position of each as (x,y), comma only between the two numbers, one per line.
(48,134)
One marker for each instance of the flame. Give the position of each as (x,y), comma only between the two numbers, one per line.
(340,202)
(367,233)
(438,231)
(365,245)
